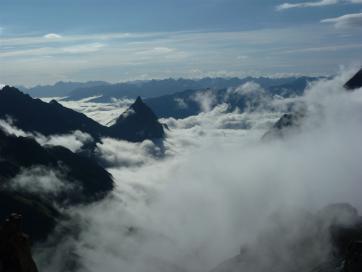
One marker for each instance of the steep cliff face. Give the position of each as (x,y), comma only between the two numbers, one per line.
(15,253)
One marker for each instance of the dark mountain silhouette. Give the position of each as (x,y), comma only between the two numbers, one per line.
(355,82)
(25,152)
(15,252)
(138,123)
(34,115)
(87,181)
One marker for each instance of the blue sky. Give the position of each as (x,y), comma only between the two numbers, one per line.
(46,41)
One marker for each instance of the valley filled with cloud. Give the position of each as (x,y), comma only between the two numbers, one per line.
(214,185)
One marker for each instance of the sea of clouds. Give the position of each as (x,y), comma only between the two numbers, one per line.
(213,185)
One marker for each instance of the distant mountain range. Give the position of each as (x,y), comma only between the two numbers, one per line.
(187,103)
(59,89)
(149,88)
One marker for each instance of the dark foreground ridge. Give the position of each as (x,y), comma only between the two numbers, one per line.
(82,178)
(34,115)
(15,253)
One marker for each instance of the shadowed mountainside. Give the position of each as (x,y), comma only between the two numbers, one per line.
(34,115)
(15,252)
(81,180)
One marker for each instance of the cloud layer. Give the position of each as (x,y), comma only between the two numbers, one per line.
(219,187)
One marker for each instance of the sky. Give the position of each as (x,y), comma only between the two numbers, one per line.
(42,42)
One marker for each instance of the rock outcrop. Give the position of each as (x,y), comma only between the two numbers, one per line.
(286,124)
(15,253)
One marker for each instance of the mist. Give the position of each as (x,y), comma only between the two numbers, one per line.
(217,187)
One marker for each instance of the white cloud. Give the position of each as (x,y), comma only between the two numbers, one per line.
(169,54)
(53,51)
(307,4)
(206,100)
(319,3)
(220,188)
(83,48)
(104,113)
(346,21)
(74,141)
(40,180)
(52,36)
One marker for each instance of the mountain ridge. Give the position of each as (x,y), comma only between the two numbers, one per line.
(34,115)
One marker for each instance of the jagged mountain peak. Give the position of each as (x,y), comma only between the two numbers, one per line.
(355,82)
(138,123)
(138,101)
(10,89)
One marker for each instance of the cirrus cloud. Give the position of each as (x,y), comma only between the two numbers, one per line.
(345,21)
(319,3)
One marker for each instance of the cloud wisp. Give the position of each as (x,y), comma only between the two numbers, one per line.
(320,3)
(346,21)
(73,141)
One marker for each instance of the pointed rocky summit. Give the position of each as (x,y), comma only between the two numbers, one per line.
(355,82)
(138,123)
